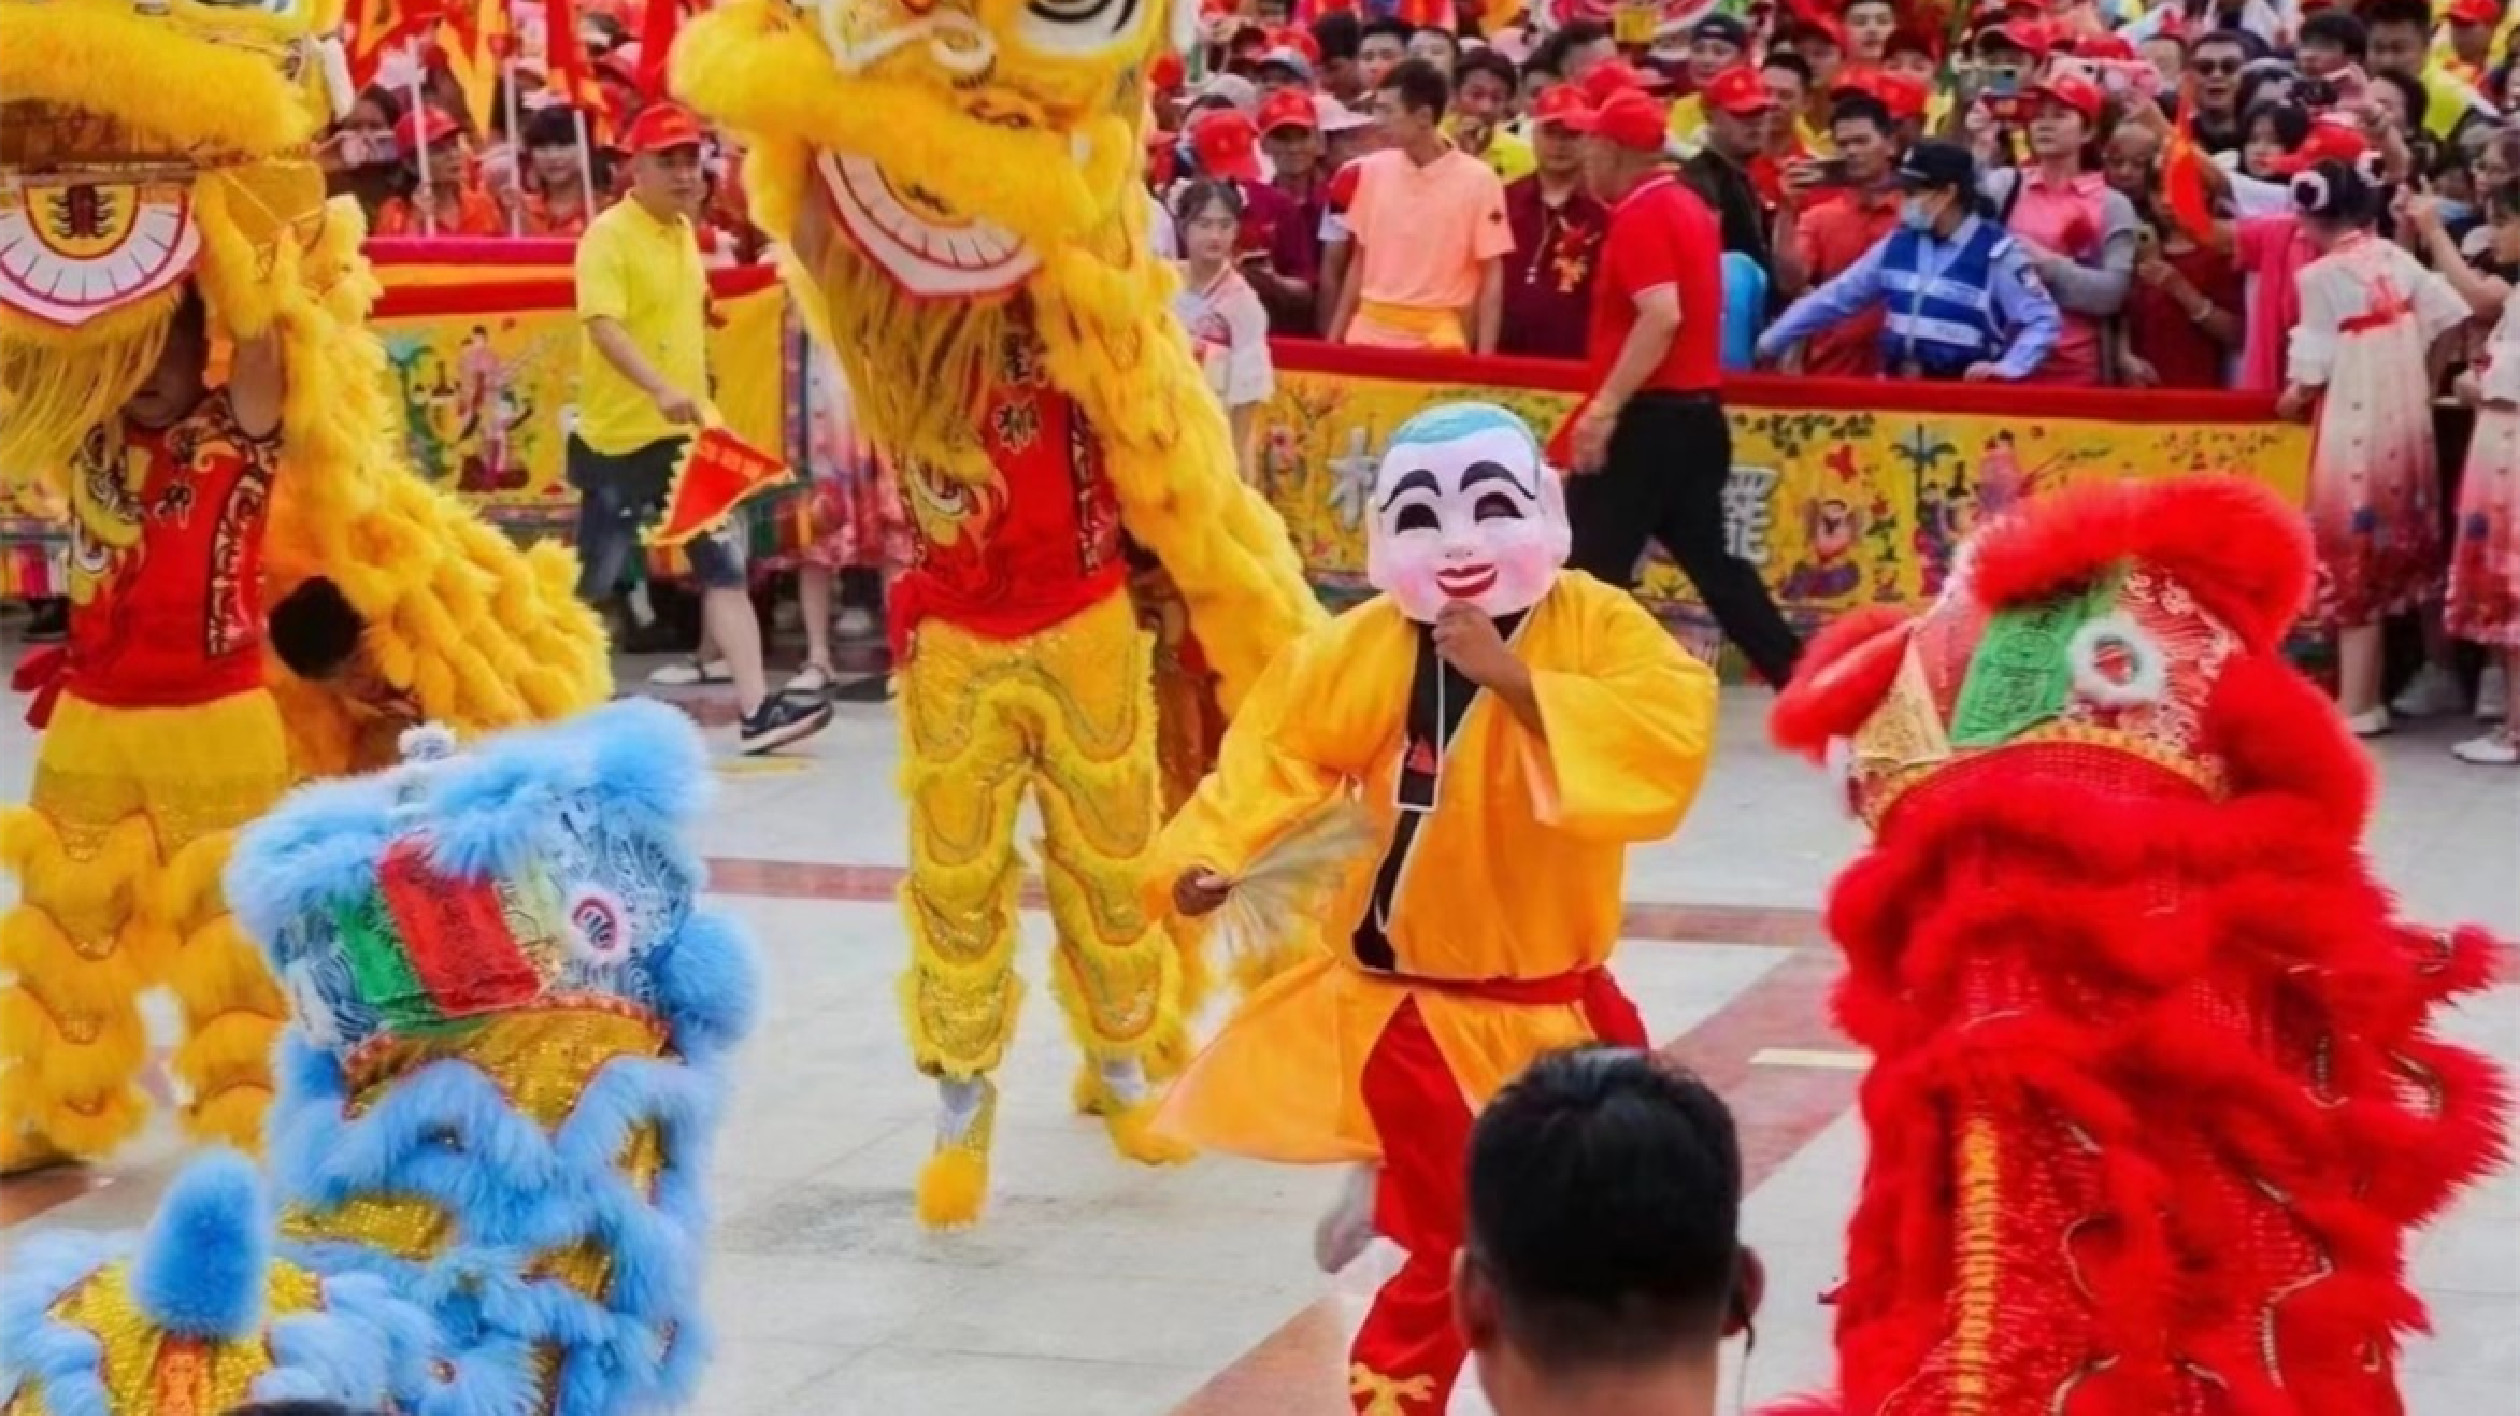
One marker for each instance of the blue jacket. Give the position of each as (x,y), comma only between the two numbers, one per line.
(1982,306)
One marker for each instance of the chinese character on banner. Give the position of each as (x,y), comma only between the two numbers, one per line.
(1748,513)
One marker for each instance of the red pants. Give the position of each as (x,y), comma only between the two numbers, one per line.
(1408,1355)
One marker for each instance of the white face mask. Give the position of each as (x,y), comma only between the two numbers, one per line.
(1464,509)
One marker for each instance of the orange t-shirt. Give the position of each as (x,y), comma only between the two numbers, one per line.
(166,586)
(1426,231)
(476,214)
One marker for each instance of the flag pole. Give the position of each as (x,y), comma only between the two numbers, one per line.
(516,151)
(590,202)
(420,131)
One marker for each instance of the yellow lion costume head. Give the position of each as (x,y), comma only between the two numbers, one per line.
(148,145)
(963,170)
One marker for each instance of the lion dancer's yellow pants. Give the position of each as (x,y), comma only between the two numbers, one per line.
(1066,714)
(118,857)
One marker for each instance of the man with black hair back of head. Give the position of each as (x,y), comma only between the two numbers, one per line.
(322,639)
(1603,1265)
(1340,35)
(1571,51)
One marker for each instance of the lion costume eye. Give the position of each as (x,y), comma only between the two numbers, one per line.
(1078,27)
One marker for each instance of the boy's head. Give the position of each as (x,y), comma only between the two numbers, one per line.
(180,377)
(315,631)
(1603,1248)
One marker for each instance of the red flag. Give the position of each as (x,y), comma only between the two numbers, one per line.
(657,29)
(715,476)
(568,75)
(477,39)
(2183,172)
(377,26)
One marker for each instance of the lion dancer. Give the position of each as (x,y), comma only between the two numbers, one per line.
(1511,729)
(159,741)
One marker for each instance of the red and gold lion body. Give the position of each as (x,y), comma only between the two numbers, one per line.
(2154,1104)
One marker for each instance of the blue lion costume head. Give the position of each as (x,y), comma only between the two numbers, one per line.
(494,1112)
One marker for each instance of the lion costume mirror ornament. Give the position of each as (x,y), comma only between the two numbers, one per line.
(498,1096)
(956,186)
(2155,1100)
(151,153)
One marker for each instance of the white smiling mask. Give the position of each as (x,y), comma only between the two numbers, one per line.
(1464,509)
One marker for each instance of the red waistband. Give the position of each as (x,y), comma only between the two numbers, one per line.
(914,597)
(1607,1008)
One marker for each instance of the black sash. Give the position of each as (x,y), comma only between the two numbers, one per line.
(1439,698)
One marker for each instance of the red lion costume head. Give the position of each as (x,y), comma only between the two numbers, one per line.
(2153,1103)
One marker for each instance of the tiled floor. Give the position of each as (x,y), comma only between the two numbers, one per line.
(1099,1289)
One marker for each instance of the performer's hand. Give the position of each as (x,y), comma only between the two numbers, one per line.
(1200,892)
(1467,639)
(679,408)
(1591,442)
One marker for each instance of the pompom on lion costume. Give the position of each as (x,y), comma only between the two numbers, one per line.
(151,152)
(499,1093)
(2154,1105)
(957,187)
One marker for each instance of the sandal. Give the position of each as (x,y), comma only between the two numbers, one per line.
(813,680)
(690,673)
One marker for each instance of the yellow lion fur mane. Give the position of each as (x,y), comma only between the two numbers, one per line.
(480,633)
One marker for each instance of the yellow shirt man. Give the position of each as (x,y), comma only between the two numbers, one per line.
(644,274)
(1508,153)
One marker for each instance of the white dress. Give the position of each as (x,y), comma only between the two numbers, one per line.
(2369,314)
(2485,554)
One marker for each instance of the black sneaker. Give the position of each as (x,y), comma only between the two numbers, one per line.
(779,721)
(49,623)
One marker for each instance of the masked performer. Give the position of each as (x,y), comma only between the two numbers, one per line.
(2154,1101)
(1511,729)
(183,358)
(961,191)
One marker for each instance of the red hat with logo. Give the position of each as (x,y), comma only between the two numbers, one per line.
(423,127)
(1559,104)
(1738,91)
(2072,90)
(2476,12)
(1289,108)
(1629,118)
(661,127)
(2331,139)
(1226,144)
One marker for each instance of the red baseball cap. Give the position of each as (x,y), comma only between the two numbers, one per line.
(2029,35)
(1559,104)
(2329,141)
(424,127)
(1167,73)
(2103,46)
(1289,108)
(1226,144)
(1614,75)
(2072,90)
(1904,97)
(1298,39)
(1629,119)
(1738,91)
(1821,27)
(662,126)
(2476,12)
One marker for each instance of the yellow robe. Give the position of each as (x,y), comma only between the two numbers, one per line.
(1515,874)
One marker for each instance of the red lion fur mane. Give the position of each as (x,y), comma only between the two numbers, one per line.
(2154,1101)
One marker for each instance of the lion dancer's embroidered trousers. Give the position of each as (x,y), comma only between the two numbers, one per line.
(1409,1353)
(1065,714)
(118,856)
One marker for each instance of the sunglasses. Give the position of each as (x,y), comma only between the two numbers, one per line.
(2215,68)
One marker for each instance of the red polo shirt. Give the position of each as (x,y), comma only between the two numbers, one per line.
(1661,234)
(1831,235)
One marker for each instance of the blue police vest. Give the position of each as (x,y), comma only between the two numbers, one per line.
(1941,303)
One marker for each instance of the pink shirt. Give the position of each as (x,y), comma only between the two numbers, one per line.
(2271,250)
(2067,219)
(1426,234)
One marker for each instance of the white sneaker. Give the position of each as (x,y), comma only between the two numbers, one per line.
(855,622)
(2430,692)
(2493,695)
(1347,1228)
(688,673)
(2371,724)
(2491,750)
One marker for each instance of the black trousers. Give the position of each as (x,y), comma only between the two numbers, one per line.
(1669,457)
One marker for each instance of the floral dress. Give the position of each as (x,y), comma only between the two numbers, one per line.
(2485,559)
(853,517)
(2369,314)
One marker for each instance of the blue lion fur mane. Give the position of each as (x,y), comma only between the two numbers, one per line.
(484,811)
(1450,422)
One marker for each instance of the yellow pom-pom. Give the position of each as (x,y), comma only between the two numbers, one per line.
(953,1188)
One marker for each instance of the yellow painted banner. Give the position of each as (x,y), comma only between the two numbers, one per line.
(1838,500)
